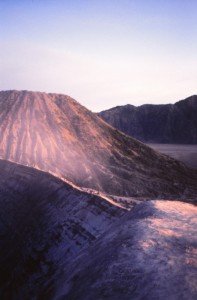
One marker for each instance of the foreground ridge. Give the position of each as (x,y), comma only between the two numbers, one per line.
(44,223)
(151,253)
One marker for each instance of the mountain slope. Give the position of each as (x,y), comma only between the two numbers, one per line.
(151,253)
(44,223)
(60,243)
(56,134)
(171,123)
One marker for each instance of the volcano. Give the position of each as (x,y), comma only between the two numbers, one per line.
(54,133)
(62,237)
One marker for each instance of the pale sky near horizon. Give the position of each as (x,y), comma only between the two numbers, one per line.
(102,53)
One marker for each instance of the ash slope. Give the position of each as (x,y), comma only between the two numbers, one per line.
(44,224)
(56,134)
(150,254)
(171,123)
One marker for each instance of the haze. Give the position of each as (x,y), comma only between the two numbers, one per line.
(102,53)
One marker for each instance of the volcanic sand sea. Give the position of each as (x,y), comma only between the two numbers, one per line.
(184,153)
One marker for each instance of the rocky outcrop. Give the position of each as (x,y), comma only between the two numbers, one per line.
(171,123)
(56,134)
(151,253)
(44,224)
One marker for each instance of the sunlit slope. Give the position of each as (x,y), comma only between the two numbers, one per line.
(151,253)
(57,134)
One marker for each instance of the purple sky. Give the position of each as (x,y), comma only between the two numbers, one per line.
(102,53)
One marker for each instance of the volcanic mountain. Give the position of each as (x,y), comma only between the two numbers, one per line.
(56,134)
(170,123)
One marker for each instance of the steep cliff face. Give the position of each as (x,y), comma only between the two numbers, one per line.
(151,253)
(44,224)
(56,134)
(157,123)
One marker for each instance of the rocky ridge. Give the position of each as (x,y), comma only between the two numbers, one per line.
(58,242)
(150,253)
(44,224)
(169,123)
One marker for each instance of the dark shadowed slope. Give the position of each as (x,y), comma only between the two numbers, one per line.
(171,123)
(56,134)
(150,254)
(44,224)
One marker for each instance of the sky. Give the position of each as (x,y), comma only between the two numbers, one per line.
(103,53)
